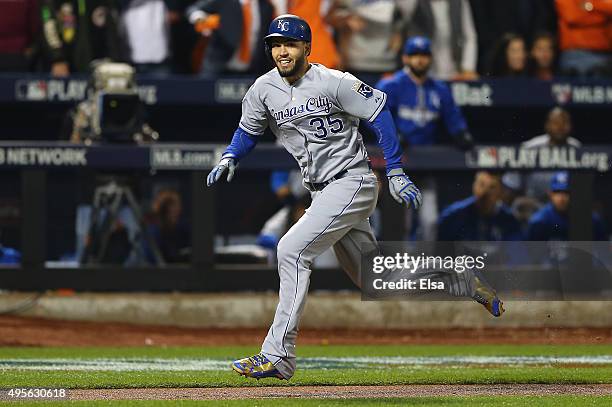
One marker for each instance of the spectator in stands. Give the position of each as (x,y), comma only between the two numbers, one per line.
(78,32)
(19,25)
(418,103)
(480,217)
(558,128)
(494,18)
(542,57)
(450,26)
(183,38)
(585,37)
(369,35)
(228,49)
(146,24)
(551,222)
(217,42)
(509,57)
(315,12)
(167,229)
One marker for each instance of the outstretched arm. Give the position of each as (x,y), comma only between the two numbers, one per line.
(242,144)
(253,123)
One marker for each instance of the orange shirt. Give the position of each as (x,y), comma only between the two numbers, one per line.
(323,47)
(585,24)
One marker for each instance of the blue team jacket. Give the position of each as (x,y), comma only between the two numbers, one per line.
(461,221)
(548,224)
(418,110)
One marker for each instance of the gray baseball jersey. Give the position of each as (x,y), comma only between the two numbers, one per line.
(316,119)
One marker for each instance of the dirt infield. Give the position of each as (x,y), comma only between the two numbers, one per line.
(21,331)
(339,392)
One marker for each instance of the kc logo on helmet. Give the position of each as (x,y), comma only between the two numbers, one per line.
(283,25)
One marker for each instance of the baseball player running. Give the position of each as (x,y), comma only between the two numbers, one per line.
(314,112)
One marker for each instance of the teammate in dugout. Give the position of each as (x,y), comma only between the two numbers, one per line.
(419,103)
(314,112)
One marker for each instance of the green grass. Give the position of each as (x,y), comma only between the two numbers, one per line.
(232,352)
(552,401)
(422,374)
(428,375)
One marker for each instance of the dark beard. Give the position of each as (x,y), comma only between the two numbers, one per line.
(299,63)
(419,73)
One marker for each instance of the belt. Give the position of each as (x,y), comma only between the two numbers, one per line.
(318,186)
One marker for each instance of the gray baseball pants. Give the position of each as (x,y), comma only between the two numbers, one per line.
(338,218)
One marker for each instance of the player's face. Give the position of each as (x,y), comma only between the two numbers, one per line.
(289,56)
(560,200)
(419,64)
(559,126)
(487,189)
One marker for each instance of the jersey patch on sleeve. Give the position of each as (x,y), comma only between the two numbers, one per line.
(363,89)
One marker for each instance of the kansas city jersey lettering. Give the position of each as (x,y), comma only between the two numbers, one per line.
(312,105)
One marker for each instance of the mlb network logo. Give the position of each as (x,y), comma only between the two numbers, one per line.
(562,93)
(39,90)
(487,157)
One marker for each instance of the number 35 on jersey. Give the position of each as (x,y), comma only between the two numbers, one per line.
(324,125)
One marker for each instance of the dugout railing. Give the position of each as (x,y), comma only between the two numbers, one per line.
(35,161)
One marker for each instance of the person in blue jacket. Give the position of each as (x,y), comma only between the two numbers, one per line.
(481,217)
(551,222)
(9,255)
(419,103)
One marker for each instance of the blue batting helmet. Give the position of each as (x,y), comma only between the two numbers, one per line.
(417,45)
(289,26)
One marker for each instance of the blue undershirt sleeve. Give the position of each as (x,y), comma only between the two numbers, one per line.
(386,135)
(242,144)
